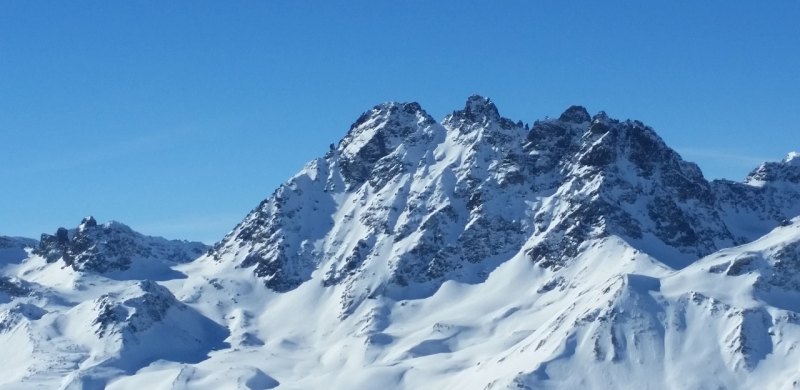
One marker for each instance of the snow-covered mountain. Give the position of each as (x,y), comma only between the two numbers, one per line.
(473,252)
(79,307)
(769,195)
(418,203)
(115,250)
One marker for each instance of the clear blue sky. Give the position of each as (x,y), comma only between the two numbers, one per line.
(178,117)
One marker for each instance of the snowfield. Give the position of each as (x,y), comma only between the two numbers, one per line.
(472,253)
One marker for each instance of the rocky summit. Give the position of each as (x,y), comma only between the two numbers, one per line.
(474,252)
(441,202)
(111,247)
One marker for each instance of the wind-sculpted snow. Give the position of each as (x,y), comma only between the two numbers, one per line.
(86,344)
(137,326)
(477,252)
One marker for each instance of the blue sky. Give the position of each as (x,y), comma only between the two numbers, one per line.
(178,117)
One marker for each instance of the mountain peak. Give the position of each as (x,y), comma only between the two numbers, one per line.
(378,133)
(792,159)
(86,223)
(479,108)
(478,103)
(481,116)
(112,246)
(785,171)
(388,111)
(575,114)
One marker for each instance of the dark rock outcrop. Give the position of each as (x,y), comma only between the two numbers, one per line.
(111,247)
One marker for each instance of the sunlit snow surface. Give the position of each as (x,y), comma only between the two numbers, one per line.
(419,255)
(615,316)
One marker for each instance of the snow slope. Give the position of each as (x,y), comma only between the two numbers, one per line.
(76,324)
(475,252)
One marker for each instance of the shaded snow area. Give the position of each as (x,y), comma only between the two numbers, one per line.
(475,252)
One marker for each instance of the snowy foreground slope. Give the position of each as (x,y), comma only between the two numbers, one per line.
(475,252)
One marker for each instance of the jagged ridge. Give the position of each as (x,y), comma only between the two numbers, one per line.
(112,247)
(451,201)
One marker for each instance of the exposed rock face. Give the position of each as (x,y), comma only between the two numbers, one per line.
(377,134)
(435,202)
(768,197)
(111,247)
(575,114)
(139,309)
(19,313)
(138,325)
(619,178)
(13,287)
(776,173)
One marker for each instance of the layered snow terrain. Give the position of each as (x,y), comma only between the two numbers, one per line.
(81,307)
(473,252)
